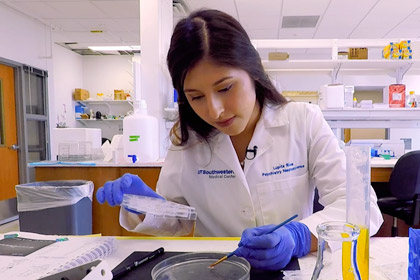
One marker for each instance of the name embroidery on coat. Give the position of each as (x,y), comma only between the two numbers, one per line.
(283,168)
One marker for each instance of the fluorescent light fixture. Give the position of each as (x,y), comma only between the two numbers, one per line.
(114,48)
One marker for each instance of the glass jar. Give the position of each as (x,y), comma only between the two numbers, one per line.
(328,264)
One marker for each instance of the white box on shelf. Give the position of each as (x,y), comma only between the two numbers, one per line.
(331,96)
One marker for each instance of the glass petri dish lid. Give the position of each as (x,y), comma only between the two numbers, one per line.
(193,266)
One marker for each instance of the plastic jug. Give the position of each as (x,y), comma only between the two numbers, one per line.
(140,135)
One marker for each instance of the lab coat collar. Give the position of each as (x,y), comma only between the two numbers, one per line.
(262,138)
(274,116)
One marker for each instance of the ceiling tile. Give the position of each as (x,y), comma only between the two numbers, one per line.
(383,18)
(296,33)
(66,25)
(262,33)
(36,9)
(227,6)
(305,7)
(130,37)
(126,24)
(87,37)
(409,28)
(267,22)
(119,9)
(77,10)
(340,20)
(260,8)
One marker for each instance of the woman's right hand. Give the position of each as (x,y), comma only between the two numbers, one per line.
(113,191)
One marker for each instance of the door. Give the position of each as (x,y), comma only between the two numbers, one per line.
(9,167)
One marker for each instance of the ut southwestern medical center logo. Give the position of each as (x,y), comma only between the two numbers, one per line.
(217,174)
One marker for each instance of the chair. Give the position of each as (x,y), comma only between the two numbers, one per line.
(404,185)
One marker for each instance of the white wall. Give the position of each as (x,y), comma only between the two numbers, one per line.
(27,41)
(68,75)
(24,39)
(103,74)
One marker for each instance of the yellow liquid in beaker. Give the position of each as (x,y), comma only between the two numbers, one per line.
(363,253)
(346,267)
(362,256)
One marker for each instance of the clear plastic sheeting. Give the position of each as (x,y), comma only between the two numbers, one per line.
(51,194)
(158,207)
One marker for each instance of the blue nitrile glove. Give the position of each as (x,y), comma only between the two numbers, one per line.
(274,251)
(113,191)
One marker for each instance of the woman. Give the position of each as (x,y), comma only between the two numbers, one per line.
(242,155)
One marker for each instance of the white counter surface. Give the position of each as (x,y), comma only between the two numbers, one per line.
(388,255)
(375,162)
(158,163)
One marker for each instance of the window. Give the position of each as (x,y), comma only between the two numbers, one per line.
(36,113)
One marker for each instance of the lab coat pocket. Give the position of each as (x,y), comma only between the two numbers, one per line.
(282,199)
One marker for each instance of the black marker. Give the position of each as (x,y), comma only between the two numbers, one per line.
(123,270)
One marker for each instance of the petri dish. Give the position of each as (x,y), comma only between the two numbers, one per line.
(193,266)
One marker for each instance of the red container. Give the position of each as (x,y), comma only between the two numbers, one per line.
(396,96)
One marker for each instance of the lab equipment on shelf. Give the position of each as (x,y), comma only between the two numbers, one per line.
(158,207)
(411,100)
(381,147)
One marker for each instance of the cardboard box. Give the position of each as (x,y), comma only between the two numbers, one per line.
(278,56)
(396,95)
(81,94)
(119,94)
(358,53)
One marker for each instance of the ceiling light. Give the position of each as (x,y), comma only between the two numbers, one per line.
(114,48)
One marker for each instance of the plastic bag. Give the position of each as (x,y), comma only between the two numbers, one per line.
(51,194)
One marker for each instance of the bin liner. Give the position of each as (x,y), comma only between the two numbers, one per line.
(51,194)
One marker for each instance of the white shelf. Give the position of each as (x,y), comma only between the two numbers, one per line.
(387,114)
(342,64)
(104,101)
(373,118)
(98,121)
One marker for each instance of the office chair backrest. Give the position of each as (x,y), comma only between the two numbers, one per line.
(404,182)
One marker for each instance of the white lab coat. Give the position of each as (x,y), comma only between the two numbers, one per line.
(296,152)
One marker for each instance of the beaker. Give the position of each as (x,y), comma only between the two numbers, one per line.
(358,200)
(328,264)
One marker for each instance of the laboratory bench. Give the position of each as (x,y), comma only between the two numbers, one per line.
(105,218)
(383,264)
(388,257)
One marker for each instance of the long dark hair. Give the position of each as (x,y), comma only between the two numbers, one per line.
(219,37)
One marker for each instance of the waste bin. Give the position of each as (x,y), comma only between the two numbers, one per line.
(55,207)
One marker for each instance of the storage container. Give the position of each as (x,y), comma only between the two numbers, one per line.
(140,135)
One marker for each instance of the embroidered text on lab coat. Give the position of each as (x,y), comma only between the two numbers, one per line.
(217,174)
(283,168)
